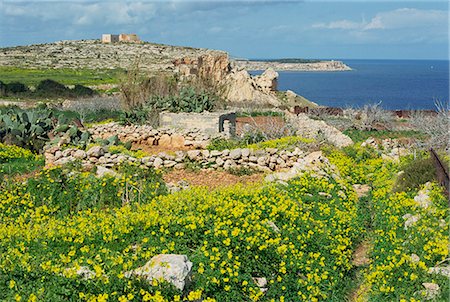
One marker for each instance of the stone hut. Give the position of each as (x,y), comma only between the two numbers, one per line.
(109,38)
(129,38)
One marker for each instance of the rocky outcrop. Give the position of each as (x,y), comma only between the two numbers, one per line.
(307,127)
(175,269)
(391,149)
(207,66)
(314,66)
(314,162)
(267,82)
(241,87)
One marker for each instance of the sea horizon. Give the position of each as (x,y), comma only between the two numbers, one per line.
(397,84)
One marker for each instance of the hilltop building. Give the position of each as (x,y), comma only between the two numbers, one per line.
(110,38)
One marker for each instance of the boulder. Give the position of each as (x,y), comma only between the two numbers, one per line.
(235,153)
(245,152)
(102,171)
(177,141)
(267,81)
(158,163)
(95,151)
(193,154)
(175,269)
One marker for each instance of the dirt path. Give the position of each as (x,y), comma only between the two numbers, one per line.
(361,259)
(211,179)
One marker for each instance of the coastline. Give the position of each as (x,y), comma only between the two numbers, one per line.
(322,66)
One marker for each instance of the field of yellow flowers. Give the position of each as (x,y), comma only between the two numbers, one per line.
(300,236)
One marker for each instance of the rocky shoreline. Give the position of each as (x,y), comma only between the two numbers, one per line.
(316,66)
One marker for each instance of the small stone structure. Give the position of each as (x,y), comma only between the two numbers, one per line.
(129,38)
(207,122)
(110,38)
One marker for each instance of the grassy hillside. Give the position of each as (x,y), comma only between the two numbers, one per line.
(66,76)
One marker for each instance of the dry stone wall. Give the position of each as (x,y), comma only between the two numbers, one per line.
(147,135)
(267,160)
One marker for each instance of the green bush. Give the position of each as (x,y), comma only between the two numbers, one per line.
(242,171)
(415,173)
(3,89)
(188,99)
(80,90)
(49,87)
(16,87)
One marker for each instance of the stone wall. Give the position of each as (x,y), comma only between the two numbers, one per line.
(207,122)
(267,160)
(147,135)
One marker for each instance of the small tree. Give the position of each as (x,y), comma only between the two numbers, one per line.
(435,126)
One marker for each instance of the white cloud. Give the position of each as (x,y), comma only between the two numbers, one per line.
(396,19)
(340,24)
(84,13)
(407,18)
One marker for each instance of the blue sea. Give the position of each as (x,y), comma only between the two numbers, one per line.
(398,84)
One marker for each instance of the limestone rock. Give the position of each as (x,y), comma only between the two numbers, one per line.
(431,291)
(410,220)
(235,153)
(316,129)
(175,269)
(242,87)
(361,190)
(444,271)
(95,151)
(245,152)
(158,163)
(267,81)
(102,171)
(193,154)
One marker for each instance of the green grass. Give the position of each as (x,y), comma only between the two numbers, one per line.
(360,136)
(21,166)
(15,160)
(32,77)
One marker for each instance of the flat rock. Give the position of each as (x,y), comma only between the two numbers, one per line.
(175,269)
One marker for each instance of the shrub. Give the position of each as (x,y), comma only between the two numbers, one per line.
(3,89)
(80,90)
(372,117)
(188,99)
(242,171)
(16,160)
(415,173)
(16,87)
(435,127)
(51,88)
(284,143)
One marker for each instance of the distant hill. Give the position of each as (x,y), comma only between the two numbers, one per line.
(93,54)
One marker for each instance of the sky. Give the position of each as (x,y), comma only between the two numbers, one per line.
(355,29)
